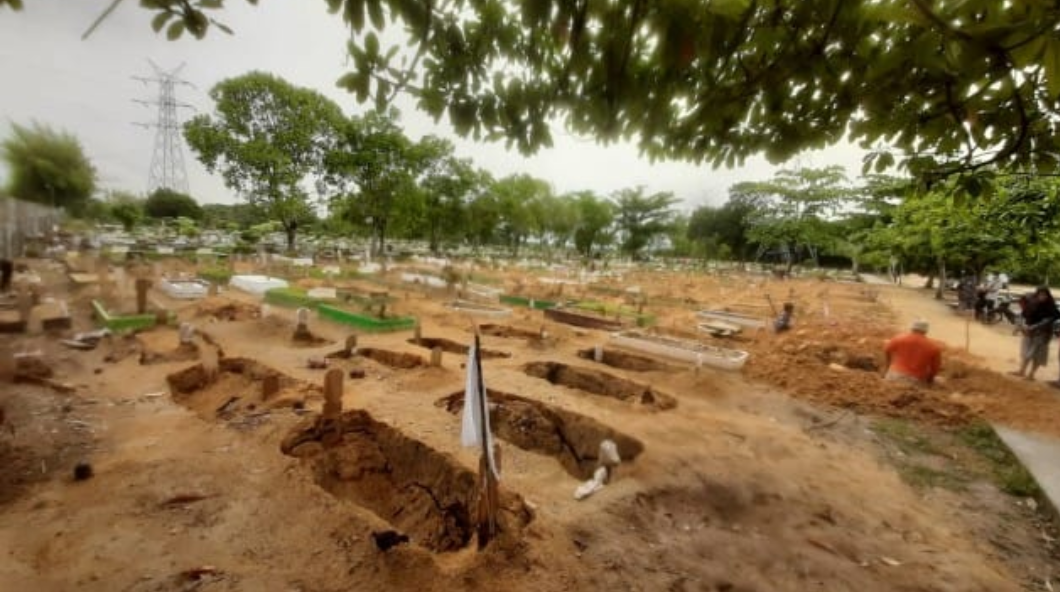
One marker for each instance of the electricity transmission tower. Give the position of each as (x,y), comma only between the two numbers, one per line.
(167,160)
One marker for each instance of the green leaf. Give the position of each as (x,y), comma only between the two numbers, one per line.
(175,30)
(375,14)
(211,4)
(371,45)
(160,20)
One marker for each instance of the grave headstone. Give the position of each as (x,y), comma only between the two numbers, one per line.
(436,357)
(142,286)
(333,394)
(187,333)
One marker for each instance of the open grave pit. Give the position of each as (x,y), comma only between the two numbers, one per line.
(392,359)
(241,391)
(508,332)
(624,360)
(421,492)
(453,347)
(572,438)
(601,383)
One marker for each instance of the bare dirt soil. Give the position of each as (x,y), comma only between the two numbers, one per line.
(803,472)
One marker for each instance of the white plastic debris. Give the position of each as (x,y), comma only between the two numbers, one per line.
(592,485)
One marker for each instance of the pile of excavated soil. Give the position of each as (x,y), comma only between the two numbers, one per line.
(843,366)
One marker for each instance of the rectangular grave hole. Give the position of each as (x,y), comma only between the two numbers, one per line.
(454,347)
(392,359)
(571,438)
(601,383)
(243,391)
(419,491)
(625,360)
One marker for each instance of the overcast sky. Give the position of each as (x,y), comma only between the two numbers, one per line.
(86,87)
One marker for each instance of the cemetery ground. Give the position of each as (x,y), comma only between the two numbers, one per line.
(804,471)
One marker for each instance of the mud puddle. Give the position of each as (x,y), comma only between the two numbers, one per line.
(573,439)
(421,492)
(601,383)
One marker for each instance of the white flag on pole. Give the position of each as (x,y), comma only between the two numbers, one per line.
(474,403)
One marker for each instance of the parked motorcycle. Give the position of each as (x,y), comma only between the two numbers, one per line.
(1001,309)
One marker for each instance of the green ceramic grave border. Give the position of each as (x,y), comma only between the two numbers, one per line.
(525,302)
(365,323)
(125,323)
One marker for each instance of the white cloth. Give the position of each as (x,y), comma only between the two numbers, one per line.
(474,402)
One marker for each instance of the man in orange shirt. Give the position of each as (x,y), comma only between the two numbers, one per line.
(913,357)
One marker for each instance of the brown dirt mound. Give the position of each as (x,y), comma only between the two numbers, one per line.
(600,383)
(843,367)
(237,391)
(450,346)
(626,361)
(421,492)
(572,438)
(393,359)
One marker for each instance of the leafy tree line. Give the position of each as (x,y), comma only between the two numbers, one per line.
(271,140)
(811,216)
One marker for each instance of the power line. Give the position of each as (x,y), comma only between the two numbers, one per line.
(167,161)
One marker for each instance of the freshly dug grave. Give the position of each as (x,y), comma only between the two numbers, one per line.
(573,439)
(393,359)
(418,490)
(453,347)
(242,391)
(584,319)
(601,383)
(625,360)
(508,332)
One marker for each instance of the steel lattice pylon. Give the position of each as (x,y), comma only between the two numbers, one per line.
(167,160)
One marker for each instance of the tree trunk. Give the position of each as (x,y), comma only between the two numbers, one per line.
(940,290)
(291,230)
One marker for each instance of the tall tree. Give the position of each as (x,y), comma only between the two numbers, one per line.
(373,166)
(970,83)
(448,183)
(166,203)
(595,217)
(268,138)
(640,218)
(48,167)
(792,209)
(516,196)
(727,226)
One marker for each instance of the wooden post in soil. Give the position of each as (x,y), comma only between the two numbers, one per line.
(488,497)
(333,394)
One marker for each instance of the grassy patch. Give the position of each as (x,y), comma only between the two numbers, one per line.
(907,436)
(1007,472)
(932,457)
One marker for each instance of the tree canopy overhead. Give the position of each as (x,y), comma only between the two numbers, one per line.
(953,85)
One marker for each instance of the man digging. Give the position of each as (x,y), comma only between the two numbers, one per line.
(912,357)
